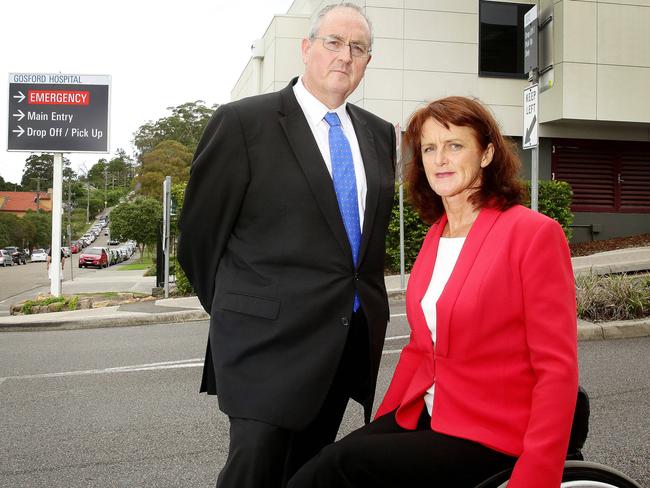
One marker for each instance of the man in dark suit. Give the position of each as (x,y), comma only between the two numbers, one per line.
(282,236)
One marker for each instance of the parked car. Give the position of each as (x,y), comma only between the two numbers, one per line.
(6,259)
(19,256)
(66,251)
(39,255)
(94,256)
(113,242)
(75,247)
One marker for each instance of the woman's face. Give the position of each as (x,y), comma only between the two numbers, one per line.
(453,160)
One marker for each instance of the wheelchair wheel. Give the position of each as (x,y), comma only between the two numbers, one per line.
(577,474)
(585,474)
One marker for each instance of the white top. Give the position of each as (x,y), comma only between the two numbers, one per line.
(315,112)
(448,251)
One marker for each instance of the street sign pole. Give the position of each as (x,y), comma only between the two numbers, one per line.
(167,187)
(58,113)
(534,166)
(531,102)
(55,247)
(400,182)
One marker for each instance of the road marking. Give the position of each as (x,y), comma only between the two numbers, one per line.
(395,338)
(397,315)
(183,363)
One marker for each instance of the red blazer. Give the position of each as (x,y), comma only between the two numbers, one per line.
(505,359)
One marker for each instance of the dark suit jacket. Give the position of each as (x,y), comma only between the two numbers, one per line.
(263,243)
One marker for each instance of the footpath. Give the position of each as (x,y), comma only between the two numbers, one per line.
(186,309)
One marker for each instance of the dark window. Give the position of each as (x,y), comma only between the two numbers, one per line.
(605,176)
(501,39)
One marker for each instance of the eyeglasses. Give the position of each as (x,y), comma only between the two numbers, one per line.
(335,44)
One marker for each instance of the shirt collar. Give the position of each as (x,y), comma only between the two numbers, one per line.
(314,109)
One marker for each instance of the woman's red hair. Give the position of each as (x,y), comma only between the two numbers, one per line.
(501,186)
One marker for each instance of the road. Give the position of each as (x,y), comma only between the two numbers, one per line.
(120,407)
(24,282)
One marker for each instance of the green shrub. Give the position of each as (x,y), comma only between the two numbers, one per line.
(554,200)
(183,285)
(27,307)
(73,303)
(414,232)
(613,297)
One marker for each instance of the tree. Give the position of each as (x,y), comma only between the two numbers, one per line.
(169,158)
(10,230)
(184,125)
(38,172)
(9,186)
(96,175)
(137,220)
(37,228)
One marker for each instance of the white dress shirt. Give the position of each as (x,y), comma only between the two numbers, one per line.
(315,112)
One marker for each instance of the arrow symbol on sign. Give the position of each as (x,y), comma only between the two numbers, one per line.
(20,131)
(529,131)
(20,116)
(21,96)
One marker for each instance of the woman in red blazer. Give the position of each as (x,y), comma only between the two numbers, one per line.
(489,377)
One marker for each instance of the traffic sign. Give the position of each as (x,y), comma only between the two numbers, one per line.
(530,39)
(531,107)
(58,112)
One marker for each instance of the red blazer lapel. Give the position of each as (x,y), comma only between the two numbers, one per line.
(473,243)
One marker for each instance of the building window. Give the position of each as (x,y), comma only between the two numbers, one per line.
(501,39)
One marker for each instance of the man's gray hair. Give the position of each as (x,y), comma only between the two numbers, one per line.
(315,25)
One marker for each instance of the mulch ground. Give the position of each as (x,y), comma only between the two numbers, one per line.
(587,248)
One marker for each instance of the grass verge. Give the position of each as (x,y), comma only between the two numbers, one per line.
(613,297)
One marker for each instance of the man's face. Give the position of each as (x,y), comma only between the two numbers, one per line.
(332,76)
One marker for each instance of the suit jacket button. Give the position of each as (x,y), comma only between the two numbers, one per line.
(345,321)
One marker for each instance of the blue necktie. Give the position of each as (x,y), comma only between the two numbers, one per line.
(345,186)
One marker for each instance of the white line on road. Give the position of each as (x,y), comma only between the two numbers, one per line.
(396,338)
(183,363)
(397,315)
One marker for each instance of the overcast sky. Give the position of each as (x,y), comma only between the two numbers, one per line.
(159,53)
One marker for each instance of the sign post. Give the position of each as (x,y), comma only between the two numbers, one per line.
(58,113)
(167,204)
(531,102)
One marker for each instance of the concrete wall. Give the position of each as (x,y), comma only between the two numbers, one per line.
(602,61)
(280,58)
(610,225)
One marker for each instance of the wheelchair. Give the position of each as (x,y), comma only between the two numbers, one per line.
(577,471)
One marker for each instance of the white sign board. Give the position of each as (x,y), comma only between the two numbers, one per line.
(531,103)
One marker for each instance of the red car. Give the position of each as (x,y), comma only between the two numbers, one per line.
(93,256)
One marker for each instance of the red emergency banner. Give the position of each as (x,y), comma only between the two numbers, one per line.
(58,97)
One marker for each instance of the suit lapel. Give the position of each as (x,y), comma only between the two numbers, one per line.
(473,243)
(301,140)
(371,165)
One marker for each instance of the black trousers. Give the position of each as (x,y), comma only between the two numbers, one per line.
(265,456)
(382,454)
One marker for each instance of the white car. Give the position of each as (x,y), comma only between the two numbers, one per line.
(39,255)
(5,258)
